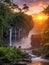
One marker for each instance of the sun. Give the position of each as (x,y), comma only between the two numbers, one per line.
(40,17)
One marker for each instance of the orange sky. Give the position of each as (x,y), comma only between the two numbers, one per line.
(36,7)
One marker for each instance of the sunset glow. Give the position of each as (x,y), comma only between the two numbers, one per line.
(40,17)
(36,7)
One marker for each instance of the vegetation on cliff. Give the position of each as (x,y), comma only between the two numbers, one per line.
(9,18)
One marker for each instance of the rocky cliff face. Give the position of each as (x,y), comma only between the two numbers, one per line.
(36,41)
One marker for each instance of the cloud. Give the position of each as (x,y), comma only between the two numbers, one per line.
(34,5)
(30,1)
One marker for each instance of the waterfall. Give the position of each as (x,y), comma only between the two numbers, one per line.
(19,33)
(24,42)
(10,39)
(15,34)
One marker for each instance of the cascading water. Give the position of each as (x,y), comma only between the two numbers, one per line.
(10,37)
(24,42)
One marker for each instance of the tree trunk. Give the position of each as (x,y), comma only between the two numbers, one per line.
(1,37)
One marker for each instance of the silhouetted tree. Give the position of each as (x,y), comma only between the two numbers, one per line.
(25,7)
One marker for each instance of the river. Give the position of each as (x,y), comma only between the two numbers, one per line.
(26,43)
(38,63)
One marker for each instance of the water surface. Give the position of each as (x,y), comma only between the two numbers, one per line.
(38,63)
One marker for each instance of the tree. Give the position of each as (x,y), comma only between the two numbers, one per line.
(23,21)
(1,30)
(45,31)
(15,20)
(8,1)
(46,10)
(45,35)
(5,17)
(25,7)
